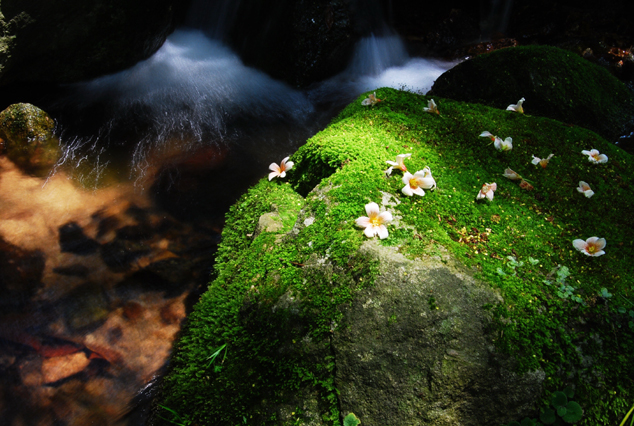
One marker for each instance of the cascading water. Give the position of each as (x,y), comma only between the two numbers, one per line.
(196,92)
(193,127)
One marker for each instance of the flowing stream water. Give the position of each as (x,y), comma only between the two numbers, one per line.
(102,259)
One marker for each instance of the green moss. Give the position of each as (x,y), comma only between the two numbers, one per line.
(276,295)
(556,84)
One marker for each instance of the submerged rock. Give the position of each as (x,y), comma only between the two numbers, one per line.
(29,139)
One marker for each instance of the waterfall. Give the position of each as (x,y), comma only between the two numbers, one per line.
(196,92)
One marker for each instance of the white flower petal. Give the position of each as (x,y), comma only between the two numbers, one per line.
(588,193)
(372,209)
(407,190)
(419,191)
(370,231)
(406,178)
(388,172)
(392,163)
(580,245)
(362,222)
(382,232)
(274,167)
(385,217)
(272,175)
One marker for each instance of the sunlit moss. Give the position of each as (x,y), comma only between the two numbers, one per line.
(515,242)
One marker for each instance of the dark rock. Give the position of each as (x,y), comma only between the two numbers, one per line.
(74,40)
(86,307)
(118,255)
(73,240)
(318,37)
(76,270)
(21,274)
(29,139)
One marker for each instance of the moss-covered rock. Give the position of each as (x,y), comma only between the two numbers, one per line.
(28,139)
(465,314)
(555,83)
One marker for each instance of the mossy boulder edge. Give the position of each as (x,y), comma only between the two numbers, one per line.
(556,83)
(289,290)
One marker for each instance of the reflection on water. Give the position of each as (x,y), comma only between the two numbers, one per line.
(94,286)
(100,261)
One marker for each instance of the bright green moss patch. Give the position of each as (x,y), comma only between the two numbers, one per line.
(277,292)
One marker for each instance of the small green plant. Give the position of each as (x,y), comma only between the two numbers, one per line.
(564,290)
(212,358)
(175,419)
(563,410)
(351,420)
(605,293)
(627,416)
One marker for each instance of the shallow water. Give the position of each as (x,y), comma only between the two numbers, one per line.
(102,259)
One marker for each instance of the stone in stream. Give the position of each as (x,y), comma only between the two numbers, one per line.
(28,139)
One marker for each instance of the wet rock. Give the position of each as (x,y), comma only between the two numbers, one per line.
(173,312)
(58,368)
(85,307)
(132,311)
(29,139)
(21,273)
(76,270)
(119,255)
(73,240)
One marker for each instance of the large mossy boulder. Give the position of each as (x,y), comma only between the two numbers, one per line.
(470,312)
(555,83)
(71,40)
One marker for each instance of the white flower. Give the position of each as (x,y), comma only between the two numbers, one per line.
(516,107)
(584,188)
(398,163)
(375,223)
(503,145)
(487,191)
(542,162)
(487,134)
(414,183)
(593,246)
(431,107)
(510,174)
(371,100)
(281,169)
(595,157)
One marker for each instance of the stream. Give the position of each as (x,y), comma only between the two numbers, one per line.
(101,260)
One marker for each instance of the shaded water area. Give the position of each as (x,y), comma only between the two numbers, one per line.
(101,260)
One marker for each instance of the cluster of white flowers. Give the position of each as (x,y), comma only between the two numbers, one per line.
(375,222)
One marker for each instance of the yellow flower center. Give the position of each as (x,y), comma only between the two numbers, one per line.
(413,183)
(591,249)
(375,220)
